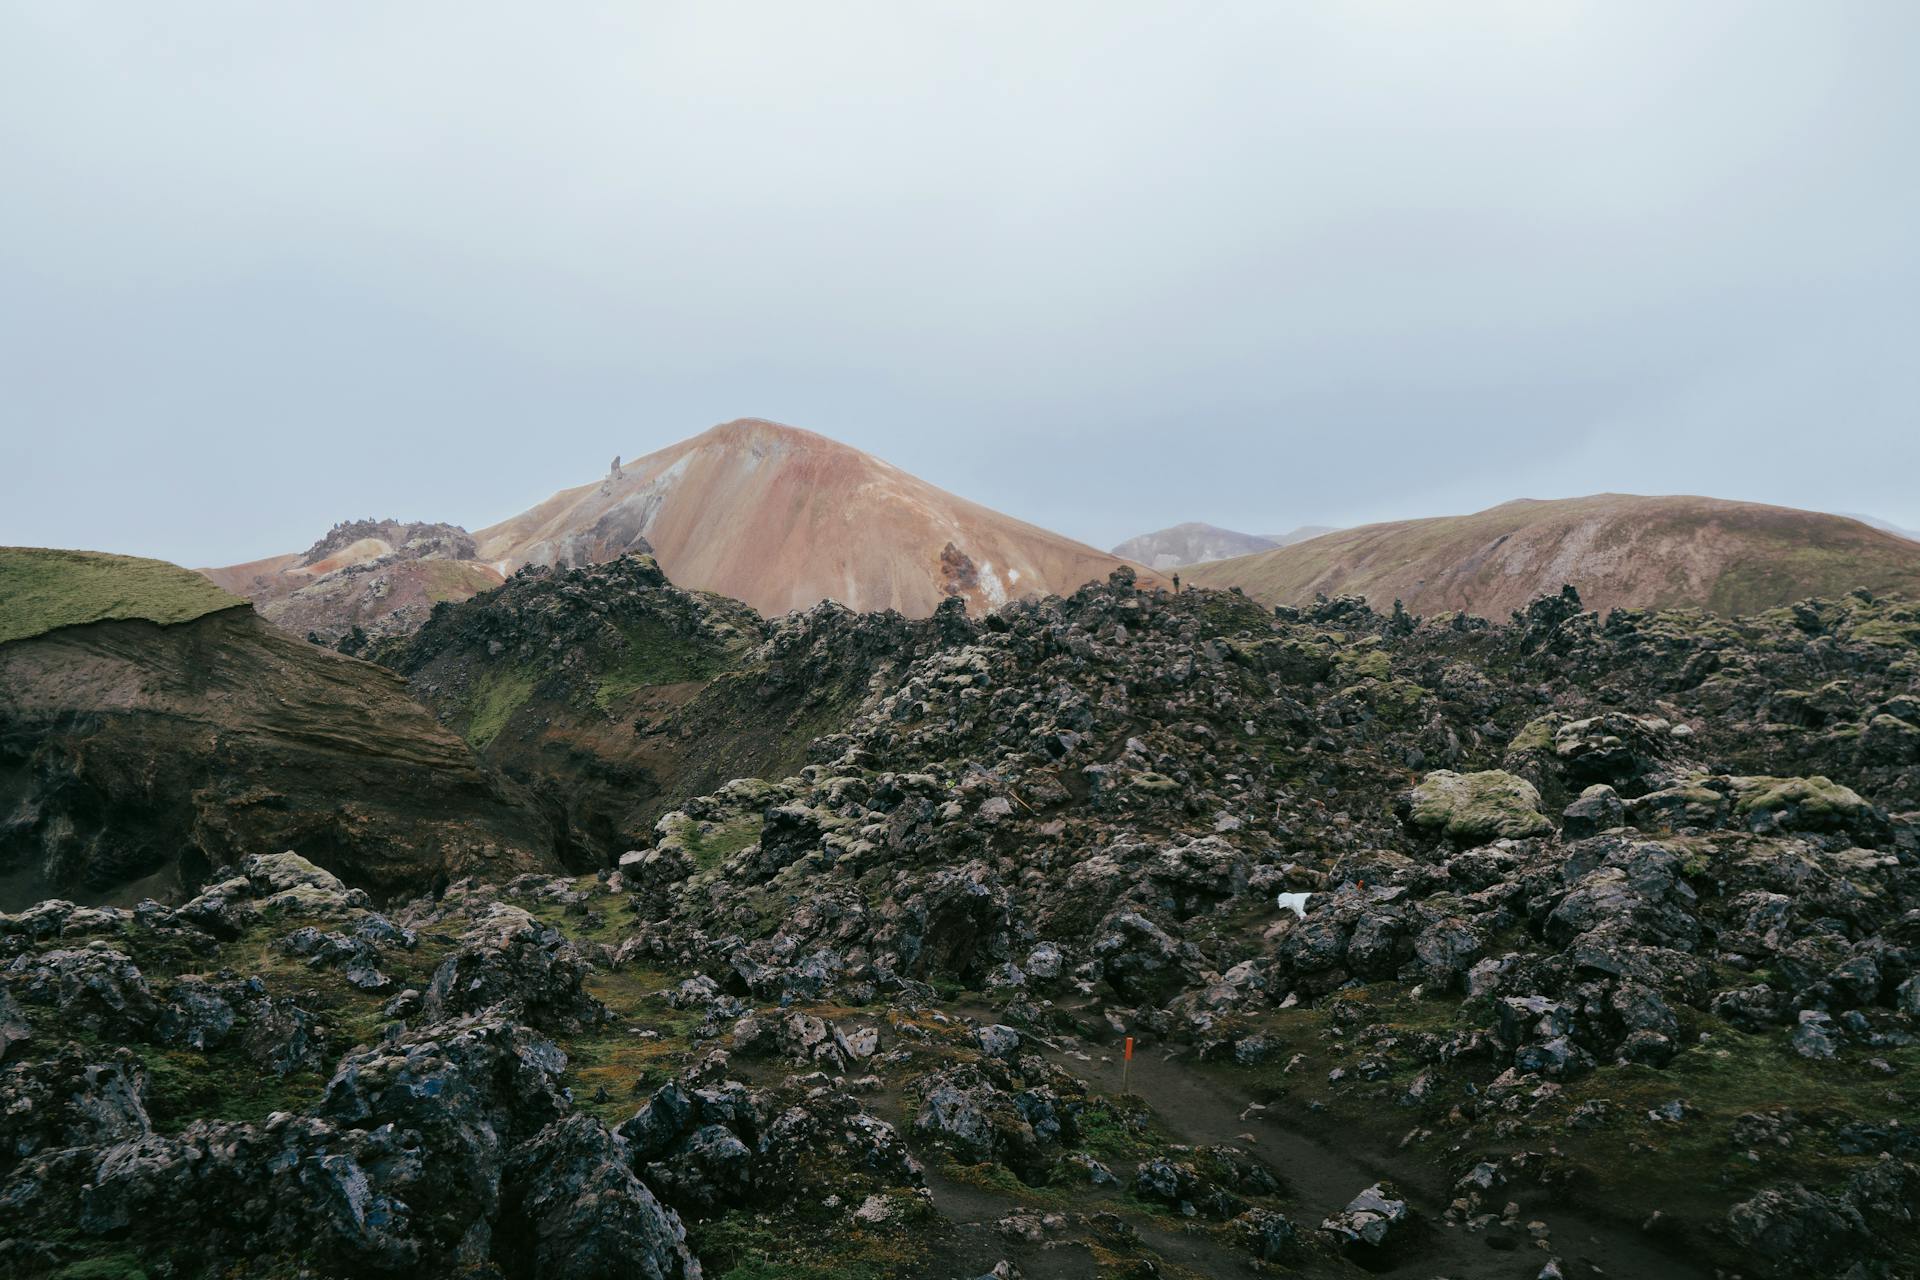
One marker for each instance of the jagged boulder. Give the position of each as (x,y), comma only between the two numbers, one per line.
(93,988)
(509,962)
(1598,808)
(575,1208)
(1376,1224)
(1803,804)
(68,1101)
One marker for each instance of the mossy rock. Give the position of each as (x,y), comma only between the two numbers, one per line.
(1891,739)
(1536,734)
(1294,660)
(1364,662)
(1687,805)
(1393,699)
(1490,805)
(1798,804)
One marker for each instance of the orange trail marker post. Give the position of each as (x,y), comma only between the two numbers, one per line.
(1126,1067)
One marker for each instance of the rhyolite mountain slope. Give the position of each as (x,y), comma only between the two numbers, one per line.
(1190,543)
(1607,968)
(782,519)
(1618,549)
(379,577)
(152,727)
(771,515)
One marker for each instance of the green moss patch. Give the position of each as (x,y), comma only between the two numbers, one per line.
(746,1246)
(185,1085)
(711,845)
(495,698)
(656,655)
(42,589)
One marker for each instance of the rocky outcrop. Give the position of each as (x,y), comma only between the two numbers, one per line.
(615,696)
(365,579)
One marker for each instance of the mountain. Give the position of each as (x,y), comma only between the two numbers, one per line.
(380,576)
(782,518)
(1190,543)
(1617,549)
(1196,543)
(770,515)
(152,728)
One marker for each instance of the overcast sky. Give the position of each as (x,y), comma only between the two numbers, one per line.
(1105,266)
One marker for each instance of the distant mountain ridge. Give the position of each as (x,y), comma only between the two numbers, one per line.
(1617,549)
(1196,542)
(1883,525)
(1300,534)
(1190,543)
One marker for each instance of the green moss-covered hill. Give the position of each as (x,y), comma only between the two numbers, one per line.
(1620,550)
(42,588)
(135,758)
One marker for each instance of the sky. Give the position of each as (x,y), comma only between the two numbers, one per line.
(1104,266)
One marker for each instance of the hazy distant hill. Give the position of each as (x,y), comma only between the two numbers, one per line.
(1190,543)
(1196,542)
(1301,534)
(1887,526)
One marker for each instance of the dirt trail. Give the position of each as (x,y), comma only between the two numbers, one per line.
(1199,1110)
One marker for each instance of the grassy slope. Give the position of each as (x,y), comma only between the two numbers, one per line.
(1730,557)
(455,579)
(41,589)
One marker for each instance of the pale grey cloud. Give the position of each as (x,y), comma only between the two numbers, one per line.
(1106,266)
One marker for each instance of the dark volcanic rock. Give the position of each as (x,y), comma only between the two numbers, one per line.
(576,1209)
